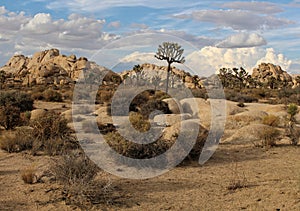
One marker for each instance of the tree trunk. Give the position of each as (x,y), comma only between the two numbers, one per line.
(168,76)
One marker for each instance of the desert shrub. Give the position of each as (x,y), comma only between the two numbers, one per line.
(139,100)
(25,118)
(154,105)
(292,110)
(76,173)
(106,128)
(292,130)
(104,96)
(52,134)
(9,116)
(268,136)
(67,95)
(134,150)
(237,96)
(75,167)
(21,100)
(52,95)
(16,141)
(138,122)
(37,95)
(200,93)
(28,175)
(160,95)
(271,120)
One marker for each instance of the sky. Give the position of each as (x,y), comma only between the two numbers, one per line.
(118,34)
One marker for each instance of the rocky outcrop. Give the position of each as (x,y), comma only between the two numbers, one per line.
(152,72)
(51,67)
(268,73)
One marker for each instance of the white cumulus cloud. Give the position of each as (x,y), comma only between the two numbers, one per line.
(210,59)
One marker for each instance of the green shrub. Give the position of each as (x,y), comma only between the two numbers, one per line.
(292,109)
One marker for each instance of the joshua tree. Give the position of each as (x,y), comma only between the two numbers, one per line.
(241,75)
(156,79)
(138,71)
(171,52)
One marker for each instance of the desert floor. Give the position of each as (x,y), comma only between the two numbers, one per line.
(265,180)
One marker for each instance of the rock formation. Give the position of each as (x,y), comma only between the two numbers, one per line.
(266,73)
(50,67)
(151,71)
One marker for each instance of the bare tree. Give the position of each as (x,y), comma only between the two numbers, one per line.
(171,52)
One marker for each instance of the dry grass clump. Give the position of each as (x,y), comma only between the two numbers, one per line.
(52,135)
(28,175)
(17,141)
(271,120)
(238,179)
(269,136)
(76,173)
(139,122)
(49,134)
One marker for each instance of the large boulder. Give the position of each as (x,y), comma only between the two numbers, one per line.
(173,104)
(186,128)
(251,134)
(67,115)
(16,64)
(37,114)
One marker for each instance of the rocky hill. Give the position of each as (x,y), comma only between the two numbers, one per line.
(49,67)
(266,72)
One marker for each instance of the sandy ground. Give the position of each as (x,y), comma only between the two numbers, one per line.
(270,180)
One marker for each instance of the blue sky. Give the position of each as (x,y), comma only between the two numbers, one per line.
(220,33)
